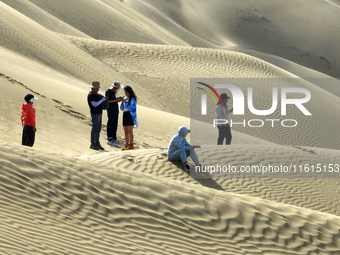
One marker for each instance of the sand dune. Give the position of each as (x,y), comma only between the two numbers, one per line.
(61,197)
(298,189)
(58,121)
(169,61)
(334,2)
(43,18)
(293,33)
(118,22)
(26,37)
(75,206)
(165,71)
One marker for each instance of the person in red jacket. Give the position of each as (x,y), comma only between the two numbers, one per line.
(28,120)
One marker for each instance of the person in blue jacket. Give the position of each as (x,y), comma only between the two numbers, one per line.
(129,108)
(180,149)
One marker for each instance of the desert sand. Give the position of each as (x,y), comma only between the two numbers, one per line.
(61,197)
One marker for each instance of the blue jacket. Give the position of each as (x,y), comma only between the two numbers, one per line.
(178,141)
(133,110)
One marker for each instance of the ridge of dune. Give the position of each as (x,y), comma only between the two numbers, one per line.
(43,18)
(21,34)
(30,41)
(334,3)
(152,13)
(165,70)
(81,207)
(117,21)
(161,69)
(278,28)
(317,192)
(322,80)
(146,23)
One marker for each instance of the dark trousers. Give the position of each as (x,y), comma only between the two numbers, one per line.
(96,128)
(224,132)
(28,136)
(112,124)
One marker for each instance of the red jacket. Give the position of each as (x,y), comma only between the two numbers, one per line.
(27,115)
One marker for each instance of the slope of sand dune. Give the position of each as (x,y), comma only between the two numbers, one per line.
(168,23)
(303,32)
(43,18)
(28,38)
(162,73)
(61,127)
(117,21)
(215,24)
(82,207)
(334,2)
(22,35)
(297,188)
(161,69)
(59,123)
(165,71)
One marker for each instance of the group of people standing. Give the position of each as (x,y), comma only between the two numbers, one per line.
(178,150)
(98,103)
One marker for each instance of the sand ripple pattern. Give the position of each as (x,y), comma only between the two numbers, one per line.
(59,205)
(294,191)
(24,36)
(169,68)
(165,72)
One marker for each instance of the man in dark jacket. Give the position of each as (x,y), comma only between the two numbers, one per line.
(94,101)
(112,113)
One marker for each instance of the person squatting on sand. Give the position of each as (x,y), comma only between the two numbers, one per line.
(222,112)
(129,108)
(94,101)
(28,120)
(112,113)
(180,149)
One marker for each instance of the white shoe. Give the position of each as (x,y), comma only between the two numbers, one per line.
(110,142)
(115,143)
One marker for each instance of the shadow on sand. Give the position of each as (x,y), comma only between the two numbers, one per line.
(204,179)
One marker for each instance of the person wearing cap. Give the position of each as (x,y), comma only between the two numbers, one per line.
(222,112)
(94,101)
(28,120)
(112,113)
(179,149)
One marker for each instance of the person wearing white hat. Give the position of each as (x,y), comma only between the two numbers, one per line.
(112,113)
(28,120)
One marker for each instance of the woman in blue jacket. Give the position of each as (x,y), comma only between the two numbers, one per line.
(129,108)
